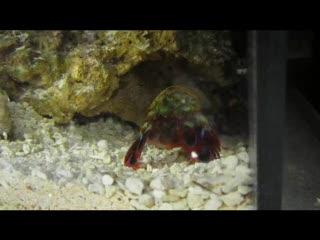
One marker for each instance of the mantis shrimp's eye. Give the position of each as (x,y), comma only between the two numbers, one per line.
(194,155)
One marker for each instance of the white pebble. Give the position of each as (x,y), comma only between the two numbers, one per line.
(19,154)
(243,170)
(232,184)
(217,189)
(182,193)
(221,179)
(26,148)
(187,179)
(162,183)
(149,168)
(171,198)
(44,203)
(244,189)
(158,194)
(96,188)
(232,199)
(213,204)
(84,181)
(107,159)
(123,149)
(39,174)
(175,169)
(195,201)
(64,173)
(216,169)
(93,177)
(166,206)
(241,149)
(226,208)
(243,156)
(134,185)
(107,180)
(157,184)
(248,207)
(102,144)
(230,162)
(199,191)
(4,184)
(146,200)
(137,205)
(180,205)
(110,191)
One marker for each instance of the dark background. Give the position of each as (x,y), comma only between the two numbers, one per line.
(303,64)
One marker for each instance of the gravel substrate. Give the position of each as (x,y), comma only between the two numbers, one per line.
(81,167)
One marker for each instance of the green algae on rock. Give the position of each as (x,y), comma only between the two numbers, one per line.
(63,73)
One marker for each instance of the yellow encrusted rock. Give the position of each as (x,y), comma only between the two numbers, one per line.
(63,73)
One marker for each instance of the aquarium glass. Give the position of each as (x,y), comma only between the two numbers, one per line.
(124,120)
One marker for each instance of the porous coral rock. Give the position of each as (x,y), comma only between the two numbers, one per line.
(66,73)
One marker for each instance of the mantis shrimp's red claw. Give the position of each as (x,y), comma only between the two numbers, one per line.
(133,155)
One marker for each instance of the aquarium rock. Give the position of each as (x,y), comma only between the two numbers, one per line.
(134,185)
(5,118)
(64,74)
